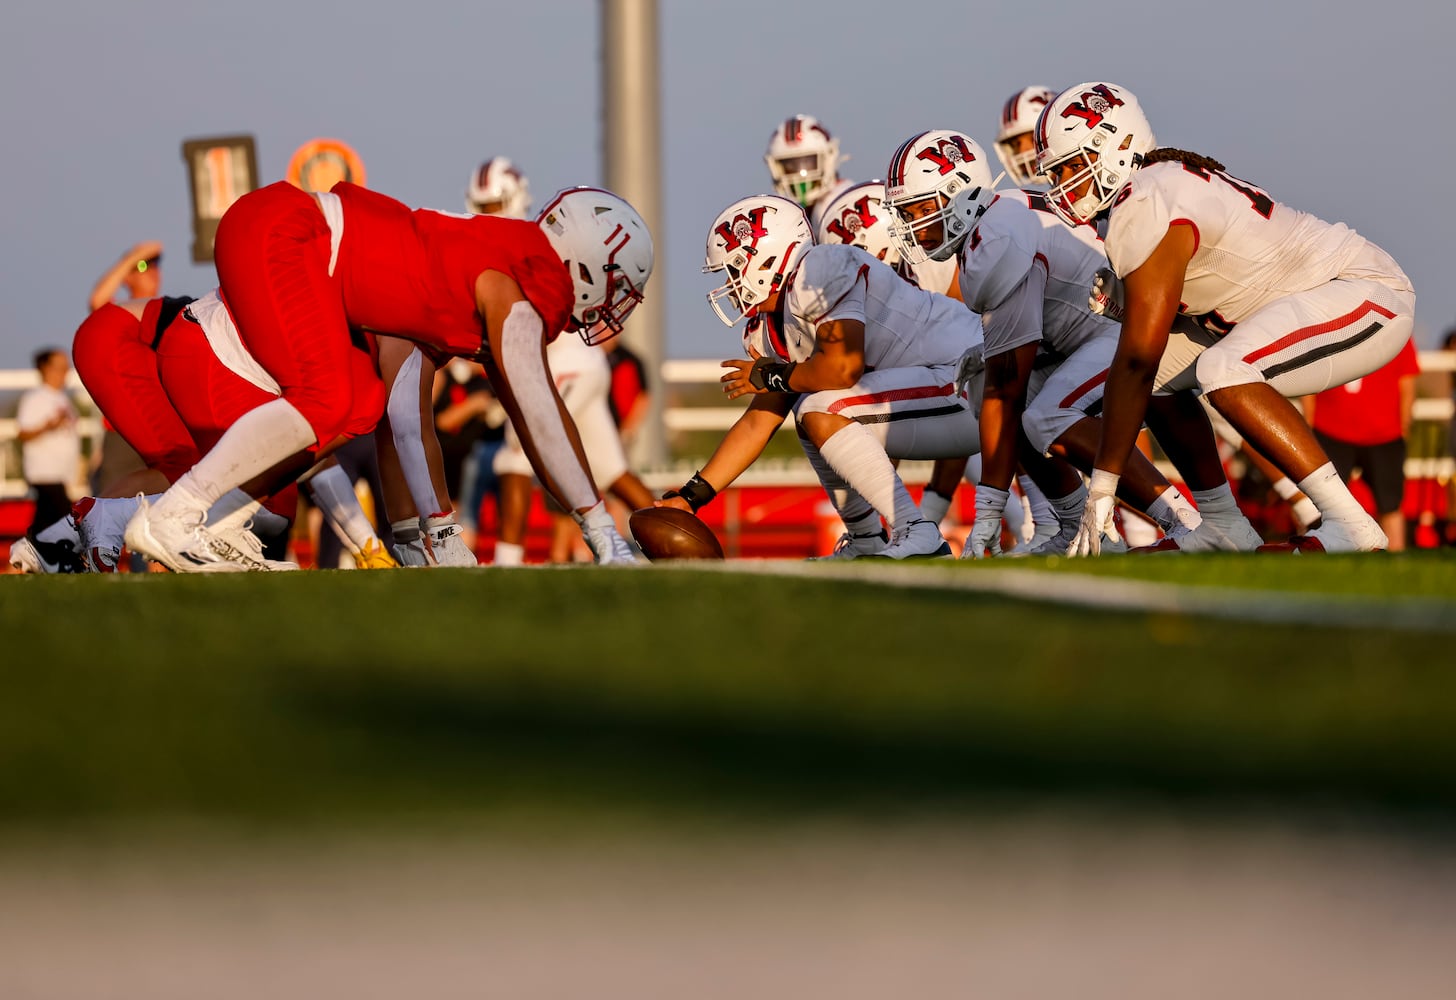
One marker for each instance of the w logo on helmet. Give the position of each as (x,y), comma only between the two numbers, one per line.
(854,218)
(746,228)
(945,154)
(1093,105)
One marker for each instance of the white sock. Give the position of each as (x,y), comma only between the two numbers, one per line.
(1216,502)
(1285,488)
(850,505)
(866,524)
(1172,509)
(257,441)
(1068,509)
(112,513)
(854,453)
(934,505)
(509,554)
(1036,501)
(1304,511)
(334,493)
(1331,496)
(405,531)
(60,533)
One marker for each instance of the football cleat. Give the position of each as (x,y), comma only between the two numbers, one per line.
(27,556)
(920,539)
(1209,535)
(447,545)
(606,543)
(1335,536)
(185,545)
(374,556)
(852,546)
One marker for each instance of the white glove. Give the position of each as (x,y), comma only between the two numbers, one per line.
(986,532)
(1096,516)
(447,543)
(971,368)
(1107,298)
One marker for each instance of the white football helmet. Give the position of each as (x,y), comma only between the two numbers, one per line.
(947,166)
(858,216)
(498,188)
(1100,130)
(803,160)
(607,250)
(758,241)
(1018,118)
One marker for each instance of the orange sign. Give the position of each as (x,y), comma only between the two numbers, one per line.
(319,164)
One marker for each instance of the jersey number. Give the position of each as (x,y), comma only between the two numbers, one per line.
(1260,201)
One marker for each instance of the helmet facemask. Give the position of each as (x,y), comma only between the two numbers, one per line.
(756,242)
(599,324)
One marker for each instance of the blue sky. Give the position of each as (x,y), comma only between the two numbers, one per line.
(1337,112)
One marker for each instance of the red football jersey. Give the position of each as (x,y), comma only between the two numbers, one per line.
(411,273)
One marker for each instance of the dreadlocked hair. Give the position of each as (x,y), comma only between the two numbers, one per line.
(1165,154)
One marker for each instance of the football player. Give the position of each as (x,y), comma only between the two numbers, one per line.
(171,375)
(1015,147)
(1027,279)
(803,162)
(857,215)
(299,271)
(866,361)
(1293,304)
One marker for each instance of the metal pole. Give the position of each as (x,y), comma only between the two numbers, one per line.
(632,168)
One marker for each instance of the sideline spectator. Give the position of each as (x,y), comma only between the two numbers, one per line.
(1364,424)
(50,445)
(139,270)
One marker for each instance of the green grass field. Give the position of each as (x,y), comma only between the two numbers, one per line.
(403,697)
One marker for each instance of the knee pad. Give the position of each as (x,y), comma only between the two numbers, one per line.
(1218,369)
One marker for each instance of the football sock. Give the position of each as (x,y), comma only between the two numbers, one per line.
(857,456)
(1172,509)
(334,493)
(1217,503)
(63,532)
(934,505)
(1068,509)
(1331,496)
(509,554)
(258,440)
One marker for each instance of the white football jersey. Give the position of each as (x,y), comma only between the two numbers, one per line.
(996,262)
(936,275)
(904,326)
(1037,202)
(1250,251)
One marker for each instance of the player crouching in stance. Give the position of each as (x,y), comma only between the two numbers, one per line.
(1295,304)
(1046,352)
(865,360)
(299,272)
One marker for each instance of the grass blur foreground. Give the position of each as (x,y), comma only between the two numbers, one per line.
(322,699)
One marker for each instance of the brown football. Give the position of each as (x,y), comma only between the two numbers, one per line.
(670,533)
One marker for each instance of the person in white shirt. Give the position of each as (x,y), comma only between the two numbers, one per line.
(50,446)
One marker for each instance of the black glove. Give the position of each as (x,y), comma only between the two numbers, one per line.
(770,375)
(697,491)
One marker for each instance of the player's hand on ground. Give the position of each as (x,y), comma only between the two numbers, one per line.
(1096,516)
(985,536)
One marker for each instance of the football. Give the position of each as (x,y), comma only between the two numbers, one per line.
(670,533)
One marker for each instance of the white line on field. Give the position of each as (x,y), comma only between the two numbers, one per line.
(1415,614)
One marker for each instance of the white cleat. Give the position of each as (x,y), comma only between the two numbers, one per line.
(1223,534)
(186,546)
(1336,536)
(920,539)
(447,544)
(1042,534)
(852,546)
(241,540)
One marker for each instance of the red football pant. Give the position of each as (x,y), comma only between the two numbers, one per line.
(272,254)
(113,356)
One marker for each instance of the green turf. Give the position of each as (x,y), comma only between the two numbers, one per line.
(400,696)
